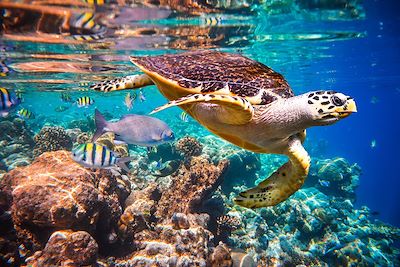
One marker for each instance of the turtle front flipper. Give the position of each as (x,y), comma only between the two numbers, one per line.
(282,183)
(235,109)
(128,82)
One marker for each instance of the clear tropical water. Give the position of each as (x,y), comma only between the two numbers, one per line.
(349,46)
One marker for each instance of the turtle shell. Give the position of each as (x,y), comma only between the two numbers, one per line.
(212,71)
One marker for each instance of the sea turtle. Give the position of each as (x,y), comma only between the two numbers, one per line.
(246,103)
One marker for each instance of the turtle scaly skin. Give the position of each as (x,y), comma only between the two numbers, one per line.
(247,104)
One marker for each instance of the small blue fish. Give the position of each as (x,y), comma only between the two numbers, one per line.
(92,155)
(84,101)
(142,97)
(373,144)
(159,164)
(25,114)
(324,183)
(135,129)
(8,101)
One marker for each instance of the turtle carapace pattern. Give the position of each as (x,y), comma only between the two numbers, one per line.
(209,72)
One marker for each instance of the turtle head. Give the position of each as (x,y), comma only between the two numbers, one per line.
(328,107)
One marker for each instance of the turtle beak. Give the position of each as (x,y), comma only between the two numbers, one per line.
(348,108)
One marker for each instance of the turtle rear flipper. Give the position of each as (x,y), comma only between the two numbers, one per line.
(235,109)
(128,82)
(282,183)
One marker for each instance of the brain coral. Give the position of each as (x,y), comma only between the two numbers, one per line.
(51,139)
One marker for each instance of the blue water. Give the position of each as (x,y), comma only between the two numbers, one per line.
(356,52)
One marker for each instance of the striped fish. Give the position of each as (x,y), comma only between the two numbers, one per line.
(86,21)
(84,101)
(87,37)
(97,2)
(25,114)
(184,116)
(8,100)
(212,21)
(85,28)
(92,155)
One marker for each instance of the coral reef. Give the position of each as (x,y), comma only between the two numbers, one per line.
(335,177)
(189,147)
(170,246)
(51,138)
(16,144)
(195,184)
(66,248)
(54,212)
(311,228)
(55,193)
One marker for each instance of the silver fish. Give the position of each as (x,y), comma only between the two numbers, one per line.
(96,156)
(135,129)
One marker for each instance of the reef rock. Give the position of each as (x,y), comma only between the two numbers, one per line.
(168,245)
(140,206)
(51,139)
(66,248)
(56,193)
(193,184)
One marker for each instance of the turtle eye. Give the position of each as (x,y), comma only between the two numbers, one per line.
(337,101)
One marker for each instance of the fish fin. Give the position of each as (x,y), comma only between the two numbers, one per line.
(121,162)
(101,124)
(119,142)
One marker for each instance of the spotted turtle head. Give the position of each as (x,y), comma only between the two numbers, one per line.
(328,107)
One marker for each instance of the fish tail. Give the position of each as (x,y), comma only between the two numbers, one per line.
(121,162)
(101,124)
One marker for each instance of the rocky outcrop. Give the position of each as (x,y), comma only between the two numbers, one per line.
(182,243)
(67,248)
(56,193)
(193,184)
